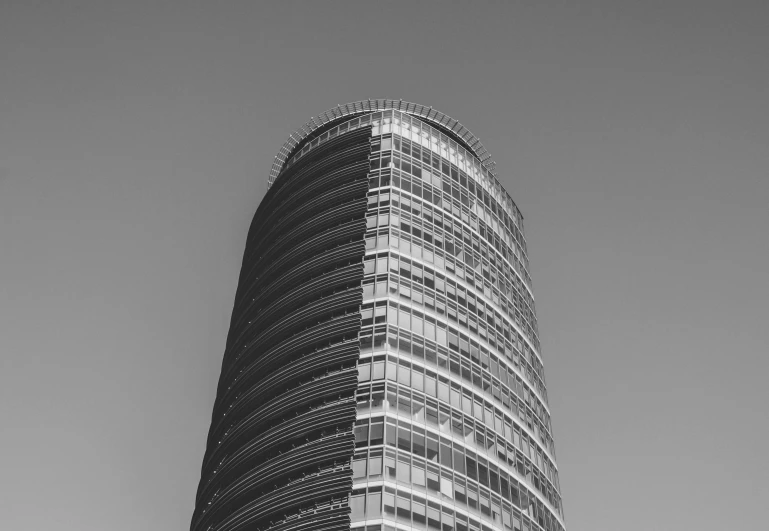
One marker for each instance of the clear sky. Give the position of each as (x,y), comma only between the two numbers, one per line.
(136,139)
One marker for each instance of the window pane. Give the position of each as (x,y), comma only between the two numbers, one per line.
(418,474)
(447,487)
(433,519)
(404,471)
(390,467)
(374,505)
(361,434)
(357,506)
(359,468)
(420,514)
(404,439)
(376,432)
(419,445)
(375,466)
(403,508)
(432,450)
(389,504)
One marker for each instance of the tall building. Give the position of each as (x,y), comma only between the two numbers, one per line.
(383,369)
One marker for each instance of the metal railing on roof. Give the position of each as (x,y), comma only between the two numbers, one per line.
(367,106)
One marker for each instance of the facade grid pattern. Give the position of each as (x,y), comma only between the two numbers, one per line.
(419,362)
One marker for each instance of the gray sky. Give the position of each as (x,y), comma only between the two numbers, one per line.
(135,143)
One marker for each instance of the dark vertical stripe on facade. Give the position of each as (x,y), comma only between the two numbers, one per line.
(281,442)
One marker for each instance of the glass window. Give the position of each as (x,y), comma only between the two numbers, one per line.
(459,461)
(472,471)
(374,504)
(418,473)
(357,506)
(447,485)
(460,490)
(430,388)
(419,512)
(364,372)
(378,371)
(389,502)
(375,466)
(403,508)
(433,480)
(472,496)
(446,454)
(377,428)
(432,448)
(403,472)
(390,432)
(361,432)
(404,438)
(418,441)
(433,516)
(359,467)
(448,519)
(443,390)
(483,474)
(389,462)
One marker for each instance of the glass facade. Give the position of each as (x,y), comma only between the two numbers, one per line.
(453,428)
(428,382)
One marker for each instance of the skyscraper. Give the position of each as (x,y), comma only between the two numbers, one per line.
(382,368)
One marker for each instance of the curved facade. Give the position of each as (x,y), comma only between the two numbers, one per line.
(383,367)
